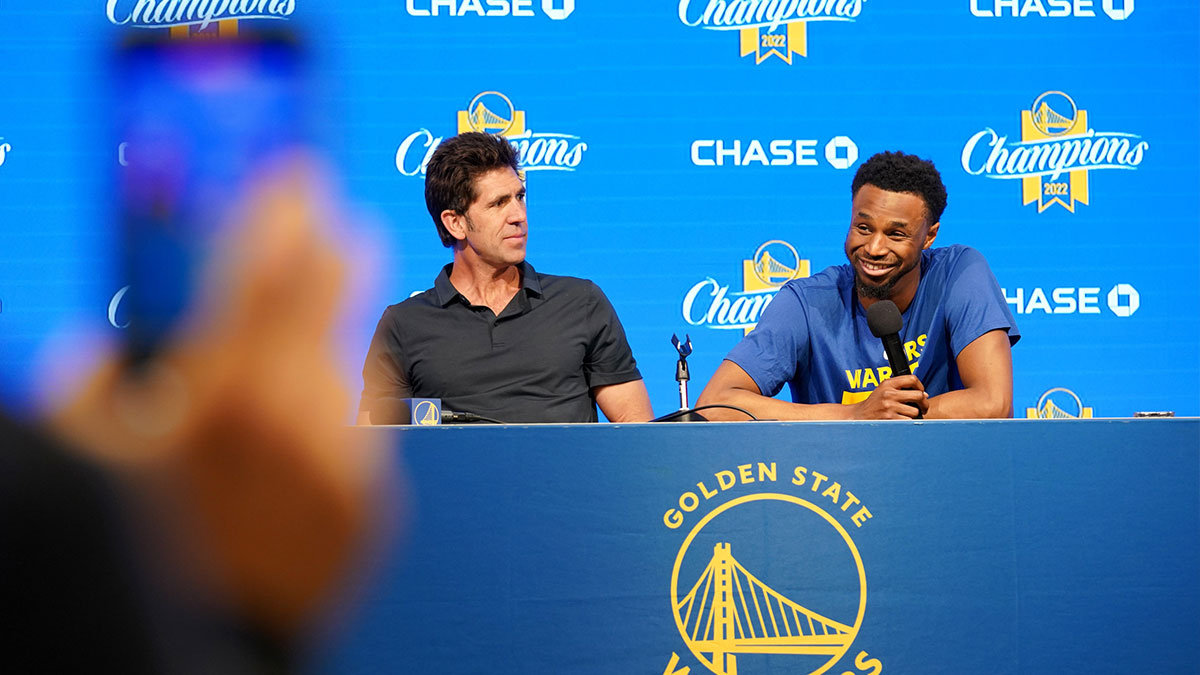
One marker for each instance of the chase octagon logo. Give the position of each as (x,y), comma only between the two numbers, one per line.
(772,572)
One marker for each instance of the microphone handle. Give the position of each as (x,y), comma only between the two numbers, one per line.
(896,357)
(895,354)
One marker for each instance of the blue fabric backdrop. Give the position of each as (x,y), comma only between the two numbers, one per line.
(670,142)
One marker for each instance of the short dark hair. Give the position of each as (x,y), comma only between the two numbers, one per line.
(452,170)
(900,172)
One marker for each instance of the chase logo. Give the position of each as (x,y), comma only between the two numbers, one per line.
(427,414)
(1117,10)
(1123,300)
(709,303)
(189,17)
(742,597)
(554,9)
(1057,150)
(767,28)
(840,152)
(1059,403)
(4,149)
(494,113)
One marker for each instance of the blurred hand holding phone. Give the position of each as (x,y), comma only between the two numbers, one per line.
(197,119)
(252,495)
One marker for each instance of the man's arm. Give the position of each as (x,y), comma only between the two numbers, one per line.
(730,385)
(624,402)
(985,367)
(610,358)
(384,373)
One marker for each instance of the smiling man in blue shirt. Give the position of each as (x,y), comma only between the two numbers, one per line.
(957,334)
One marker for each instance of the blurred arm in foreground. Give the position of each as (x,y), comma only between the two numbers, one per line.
(251,500)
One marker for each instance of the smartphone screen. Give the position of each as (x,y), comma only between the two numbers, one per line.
(195,119)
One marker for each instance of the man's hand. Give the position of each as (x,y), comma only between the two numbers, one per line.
(896,398)
(233,439)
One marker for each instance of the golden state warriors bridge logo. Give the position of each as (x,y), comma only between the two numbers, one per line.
(1057,150)
(492,112)
(426,413)
(767,29)
(770,571)
(710,303)
(1059,403)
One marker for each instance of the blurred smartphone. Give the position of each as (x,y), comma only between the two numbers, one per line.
(195,119)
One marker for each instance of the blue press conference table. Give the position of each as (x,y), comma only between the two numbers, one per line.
(1008,546)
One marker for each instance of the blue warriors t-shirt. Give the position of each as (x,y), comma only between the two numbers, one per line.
(814,334)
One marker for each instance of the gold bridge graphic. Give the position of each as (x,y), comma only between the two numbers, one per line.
(1047,120)
(772,271)
(483,119)
(1050,411)
(736,613)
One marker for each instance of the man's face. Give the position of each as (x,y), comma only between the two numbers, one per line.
(494,226)
(888,231)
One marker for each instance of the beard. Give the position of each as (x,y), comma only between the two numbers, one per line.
(881,290)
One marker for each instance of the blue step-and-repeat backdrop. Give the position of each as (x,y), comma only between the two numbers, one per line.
(690,156)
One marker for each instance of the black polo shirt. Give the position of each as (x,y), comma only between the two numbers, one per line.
(538,361)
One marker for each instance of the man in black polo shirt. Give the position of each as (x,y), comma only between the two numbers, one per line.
(494,337)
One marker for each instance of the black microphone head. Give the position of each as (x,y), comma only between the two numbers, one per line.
(884,318)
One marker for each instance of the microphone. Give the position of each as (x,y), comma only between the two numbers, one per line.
(885,323)
(883,318)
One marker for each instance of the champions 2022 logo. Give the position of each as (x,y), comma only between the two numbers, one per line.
(184,16)
(767,28)
(494,113)
(767,571)
(1057,149)
(711,303)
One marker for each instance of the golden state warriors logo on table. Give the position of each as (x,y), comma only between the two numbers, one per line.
(1057,150)
(493,112)
(1057,404)
(767,29)
(768,569)
(710,303)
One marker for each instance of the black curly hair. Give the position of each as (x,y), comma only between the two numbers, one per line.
(900,172)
